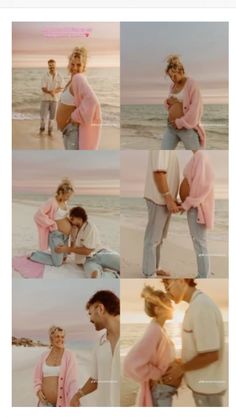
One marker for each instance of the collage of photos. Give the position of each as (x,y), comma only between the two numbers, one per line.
(120,249)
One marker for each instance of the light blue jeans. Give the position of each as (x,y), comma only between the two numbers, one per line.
(162,395)
(56,238)
(208,400)
(46,404)
(199,237)
(70,136)
(172,136)
(156,231)
(103,259)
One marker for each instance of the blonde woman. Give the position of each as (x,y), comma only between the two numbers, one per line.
(184,105)
(54,227)
(151,356)
(55,374)
(79,113)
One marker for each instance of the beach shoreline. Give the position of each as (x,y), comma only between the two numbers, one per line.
(26,136)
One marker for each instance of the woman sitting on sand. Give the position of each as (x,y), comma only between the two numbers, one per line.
(54,227)
(151,356)
(184,107)
(79,113)
(55,375)
(197,196)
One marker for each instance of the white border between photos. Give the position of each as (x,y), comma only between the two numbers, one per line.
(61,15)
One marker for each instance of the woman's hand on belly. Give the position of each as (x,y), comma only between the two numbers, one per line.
(175,112)
(50,388)
(63,115)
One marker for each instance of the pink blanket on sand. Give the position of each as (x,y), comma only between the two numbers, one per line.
(27,268)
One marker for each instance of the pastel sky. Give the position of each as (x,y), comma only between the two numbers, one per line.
(134,165)
(132,304)
(34,43)
(202,46)
(38,306)
(92,172)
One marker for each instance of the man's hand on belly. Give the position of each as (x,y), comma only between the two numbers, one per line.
(62,249)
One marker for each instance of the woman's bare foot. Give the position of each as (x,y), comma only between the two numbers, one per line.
(161,272)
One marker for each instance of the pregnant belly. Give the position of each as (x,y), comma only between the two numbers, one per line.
(64,226)
(63,114)
(50,388)
(184,190)
(175,111)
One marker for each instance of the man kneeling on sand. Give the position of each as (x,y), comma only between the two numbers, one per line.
(88,249)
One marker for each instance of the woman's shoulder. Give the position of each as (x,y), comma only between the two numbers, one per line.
(79,78)
(154,326)
(191,83)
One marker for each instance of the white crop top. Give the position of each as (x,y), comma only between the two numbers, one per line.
(67,98)
(51,371)
(179,95)
(61,213)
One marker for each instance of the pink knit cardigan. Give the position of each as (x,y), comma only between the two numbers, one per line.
(44,219)
(192,109)
(148,359)
(87,113)
(200,176)
(67,382)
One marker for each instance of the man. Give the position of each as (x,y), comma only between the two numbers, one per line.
(202,362)
(161,189)
(88,249)
(104,312)
(51,85)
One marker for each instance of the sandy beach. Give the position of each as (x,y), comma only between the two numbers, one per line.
(177,255)
(25,136)
(23,363)
(25,238)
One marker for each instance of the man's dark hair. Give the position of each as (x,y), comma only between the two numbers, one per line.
(110,301)
(51,61)
(79,212)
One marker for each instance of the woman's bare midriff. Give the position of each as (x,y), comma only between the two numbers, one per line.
(184,189)
(64,226)
(63,115)
(175,111)
(50,389)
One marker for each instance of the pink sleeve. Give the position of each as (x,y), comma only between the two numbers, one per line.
(202,179)
(191,117)
(71,376)
(137,363)
(42,218)
(85,112)
(38,375)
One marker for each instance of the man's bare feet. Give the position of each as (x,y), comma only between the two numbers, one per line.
(161,272)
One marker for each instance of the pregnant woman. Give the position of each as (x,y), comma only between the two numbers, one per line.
(151,356)
(197,196)
(79,113)
(55,374)
(54,227)
(184,107)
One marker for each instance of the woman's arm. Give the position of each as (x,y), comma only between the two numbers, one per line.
(41,217)
(137,363)
(85,112)
(191,118)
(202,180)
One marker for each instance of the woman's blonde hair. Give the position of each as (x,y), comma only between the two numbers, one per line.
(64,187)
(152,299)
(173,61)
(82,53)
(54,329)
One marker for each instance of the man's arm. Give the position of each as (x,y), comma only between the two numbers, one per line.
(85,251)
(177,369)
(89,387)
(162,186)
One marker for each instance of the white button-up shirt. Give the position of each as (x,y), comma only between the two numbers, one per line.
(49,82)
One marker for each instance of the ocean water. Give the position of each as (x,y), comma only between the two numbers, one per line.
(134,214)
(131,333)
(94,205)
(26,92)
(142,126)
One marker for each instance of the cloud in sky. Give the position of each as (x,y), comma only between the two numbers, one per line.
(203,47)
(34,43)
